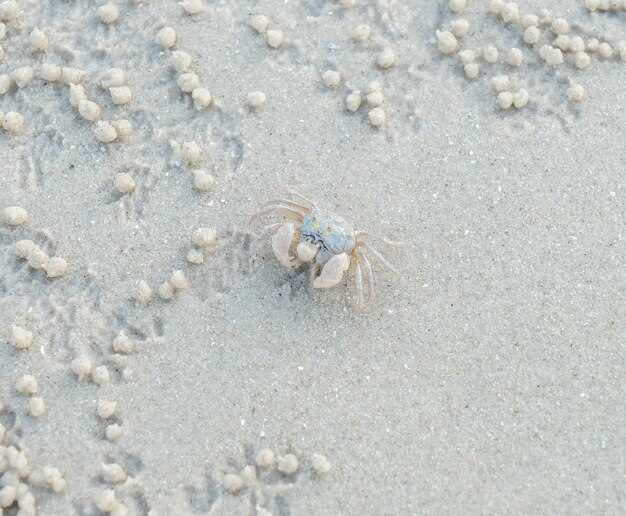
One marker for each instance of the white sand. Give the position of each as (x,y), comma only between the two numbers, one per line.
(488,378)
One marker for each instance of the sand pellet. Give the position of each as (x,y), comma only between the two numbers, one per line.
(106,409)
(331,78)
(105,132)
(256,100)
(514,57)
(471,70)
(178,280)
(27,385)
(166,37)
(89,110)
(457,6)
(113,473)
(8,10)
(520,98)
(274,38)
(121,95)
(113,78)
(529,20)
(23,248)
(192,7)
(202,180)
(108,13)
(36,406)
(320,464)
(576,93)
(265,458)
(361,32)
(71,75)
(353,101)
(194,256)
(13,122)
(21,338)
(505,99)
(191,152)
(124,183)
(386,59)
(82,367)
(38,40)
(233,483)
(166,290)
(100,375)
(77,95)
(50,72)
(56,267)
(123,344)
(500,83)
(460,27)
(113,432)
(202,98)
(143,293)
(288,464)
(259,23)
(38,259)
(446,42)
(375,98)
(532,35)
(490,54)
(14,216)
(181,61)
(123,128)
(377,117)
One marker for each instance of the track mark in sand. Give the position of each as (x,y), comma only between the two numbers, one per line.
(226,266)
(258,483)
(130,207)
(71,316)
(38,158)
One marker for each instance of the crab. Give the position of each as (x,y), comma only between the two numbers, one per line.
(327,243)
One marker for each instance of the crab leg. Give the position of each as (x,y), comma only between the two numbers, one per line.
(309,202)
(364,234)
(267,229)
(278,208)
(292,204)
(281,244)
(379,256)
(369,275)
(358,282)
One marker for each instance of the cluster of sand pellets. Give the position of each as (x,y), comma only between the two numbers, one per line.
(20,478)
(371,97)
(255,486)
(545,40)
(36,257)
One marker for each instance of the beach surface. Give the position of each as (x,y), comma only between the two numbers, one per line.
(487,377)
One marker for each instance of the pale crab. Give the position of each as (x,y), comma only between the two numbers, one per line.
(329,244)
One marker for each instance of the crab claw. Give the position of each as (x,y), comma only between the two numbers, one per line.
(281,244)
(333,271)
(306,251)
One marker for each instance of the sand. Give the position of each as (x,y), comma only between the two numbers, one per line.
(486,378)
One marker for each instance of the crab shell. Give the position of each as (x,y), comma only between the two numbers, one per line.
(318,243)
